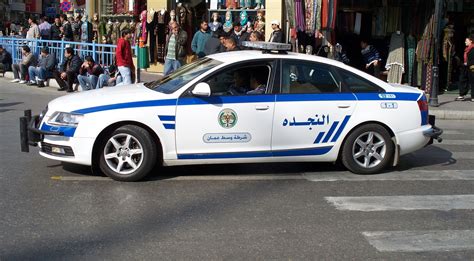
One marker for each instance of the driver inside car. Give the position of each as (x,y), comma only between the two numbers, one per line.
(241,83)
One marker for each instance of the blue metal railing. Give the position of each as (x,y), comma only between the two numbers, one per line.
(104,54)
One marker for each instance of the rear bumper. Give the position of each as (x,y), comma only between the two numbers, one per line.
(413,140)
(434,132)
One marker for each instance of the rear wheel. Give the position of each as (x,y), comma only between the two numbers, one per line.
(127,154)
(368,149)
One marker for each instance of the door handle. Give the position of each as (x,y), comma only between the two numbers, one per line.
(262,108)
(343,106)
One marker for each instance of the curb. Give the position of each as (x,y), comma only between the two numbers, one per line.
(452,115)
(49,83)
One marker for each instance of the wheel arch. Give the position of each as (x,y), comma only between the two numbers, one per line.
(385,126)
(110,128)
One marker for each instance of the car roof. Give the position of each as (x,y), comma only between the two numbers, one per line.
(238,56)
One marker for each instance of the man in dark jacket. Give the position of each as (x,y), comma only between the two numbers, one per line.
(175,49)
(44,69)
(215,43)
(277,34)
(68,70)
(56,29)
(5,60)
(239,35)
(67,33)
(89,74)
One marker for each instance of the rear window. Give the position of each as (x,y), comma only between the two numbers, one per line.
(357,84)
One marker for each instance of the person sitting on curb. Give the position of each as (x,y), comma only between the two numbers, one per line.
(89,74)
(46,65)
(110,77)
(68,70)
(28,59)
(5,60)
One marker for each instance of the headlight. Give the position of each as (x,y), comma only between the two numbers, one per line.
(65,118)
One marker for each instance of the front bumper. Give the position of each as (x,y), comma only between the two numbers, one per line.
(434,132)
(30,134)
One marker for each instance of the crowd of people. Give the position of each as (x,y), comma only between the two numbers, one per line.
(35,70)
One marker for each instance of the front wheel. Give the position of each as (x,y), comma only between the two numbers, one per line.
(127,154)
(368,149)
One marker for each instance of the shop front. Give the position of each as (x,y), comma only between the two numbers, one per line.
(402,32)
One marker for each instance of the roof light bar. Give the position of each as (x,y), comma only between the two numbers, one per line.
(266,46)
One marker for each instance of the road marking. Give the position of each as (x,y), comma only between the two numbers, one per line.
(458,155)
(421,241)
(391,203)
(456,142)
(393,176)
(262,177)
(452,132)
(80,178)
(417,175)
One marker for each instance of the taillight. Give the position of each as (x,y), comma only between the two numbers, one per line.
(423,106)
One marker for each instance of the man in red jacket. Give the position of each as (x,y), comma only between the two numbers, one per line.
(123,55)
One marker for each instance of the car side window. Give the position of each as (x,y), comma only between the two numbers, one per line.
(357,84)
(242,80)
(308,77)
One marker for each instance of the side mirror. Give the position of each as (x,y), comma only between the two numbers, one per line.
(202,89)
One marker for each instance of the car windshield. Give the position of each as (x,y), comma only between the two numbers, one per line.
(182,76)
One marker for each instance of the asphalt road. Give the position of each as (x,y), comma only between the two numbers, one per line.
(421,210)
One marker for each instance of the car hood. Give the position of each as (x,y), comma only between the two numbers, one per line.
(104,97)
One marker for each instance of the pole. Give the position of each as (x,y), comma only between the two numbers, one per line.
(137,68)
(435,83)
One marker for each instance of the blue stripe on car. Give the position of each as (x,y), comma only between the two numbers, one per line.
(169,126)
(319,137)
(253,99)
(257,154)
(126,105)
(341,128)
(331,130)
(167,117)
(67,130)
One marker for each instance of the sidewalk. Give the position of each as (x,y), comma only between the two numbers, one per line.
(453,110)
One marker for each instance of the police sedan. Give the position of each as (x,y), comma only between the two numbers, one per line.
(237,107)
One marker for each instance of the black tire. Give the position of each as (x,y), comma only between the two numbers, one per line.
(144,161)
(354,155)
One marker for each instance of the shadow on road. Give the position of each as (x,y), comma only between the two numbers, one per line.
(428,156)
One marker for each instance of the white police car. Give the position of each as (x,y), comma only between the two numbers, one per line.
(237,107)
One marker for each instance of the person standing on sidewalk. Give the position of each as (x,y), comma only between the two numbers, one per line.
(175,50)
(66,29)
(55,32)
(123,54)
(371,58)
(33,32)
(466,80)
(200,39)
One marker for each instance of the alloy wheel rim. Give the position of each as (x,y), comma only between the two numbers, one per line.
(369,149)
(123,153)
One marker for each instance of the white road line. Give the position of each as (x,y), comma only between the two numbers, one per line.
(391,203)
(392,176)
(458,155)
(416,175)
(421,241)
(456,142)
(262,177)
(452,132)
